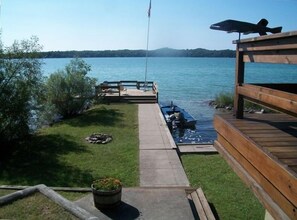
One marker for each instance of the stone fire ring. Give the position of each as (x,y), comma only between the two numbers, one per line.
(99,138)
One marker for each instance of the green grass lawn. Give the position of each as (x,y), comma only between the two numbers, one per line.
(231,198)
(35,206)
(60,156)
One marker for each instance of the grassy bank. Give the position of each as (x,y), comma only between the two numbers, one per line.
(60,156)
(223,188)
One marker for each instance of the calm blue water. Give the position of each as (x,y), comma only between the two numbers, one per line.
(189,82)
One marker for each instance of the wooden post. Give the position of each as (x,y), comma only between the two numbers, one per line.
(239,79)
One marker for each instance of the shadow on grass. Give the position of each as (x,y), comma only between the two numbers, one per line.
(97,116)
(38,160)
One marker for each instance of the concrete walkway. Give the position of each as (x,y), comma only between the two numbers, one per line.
(159,162)
(144,203)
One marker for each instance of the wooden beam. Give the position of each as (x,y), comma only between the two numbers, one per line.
(239,80)
(269,37)
(205,204)
(198,205)
(288,43)
(52,195)
(276,99)
(287,56)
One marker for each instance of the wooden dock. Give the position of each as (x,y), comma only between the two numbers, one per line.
(128,91)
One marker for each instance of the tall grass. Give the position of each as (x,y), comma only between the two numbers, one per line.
(226,99)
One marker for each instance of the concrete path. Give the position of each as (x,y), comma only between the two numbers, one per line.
(158,159)
(144,203)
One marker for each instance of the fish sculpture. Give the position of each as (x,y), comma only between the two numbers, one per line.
(245,27)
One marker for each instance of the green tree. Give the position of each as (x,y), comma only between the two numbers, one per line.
(70,90)
(20,88)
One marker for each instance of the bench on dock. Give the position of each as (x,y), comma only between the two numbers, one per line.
(198,199)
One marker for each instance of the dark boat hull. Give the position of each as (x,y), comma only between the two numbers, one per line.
(177,117)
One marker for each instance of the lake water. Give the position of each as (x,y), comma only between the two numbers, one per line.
(189,82)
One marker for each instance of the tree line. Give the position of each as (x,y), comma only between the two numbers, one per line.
(163,52)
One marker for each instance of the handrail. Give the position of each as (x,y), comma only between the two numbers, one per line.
(274,48)
(126,83)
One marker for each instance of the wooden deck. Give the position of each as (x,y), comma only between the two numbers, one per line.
(128,91)
(265,146)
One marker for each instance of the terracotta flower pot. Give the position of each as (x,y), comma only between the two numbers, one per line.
(107,199)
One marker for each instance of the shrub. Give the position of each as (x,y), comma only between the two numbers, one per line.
(20,88)
(70,90)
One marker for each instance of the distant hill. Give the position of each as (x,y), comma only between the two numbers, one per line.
(163,52)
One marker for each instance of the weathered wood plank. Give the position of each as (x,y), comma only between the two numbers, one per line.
(285,181)
(254,130)
(239,79)
(66,204)
(286,43)
(198,205)
(205,204)
(271,100)
(273,138)
(269,134)
(270,37)
(285,56)
(17,195)
(289,44)
(274,202)
(277,143)
(272,91)
(285,154)
(290,161)
(55,197)
(196,148)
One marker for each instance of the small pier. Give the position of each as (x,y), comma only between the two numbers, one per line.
(128,91)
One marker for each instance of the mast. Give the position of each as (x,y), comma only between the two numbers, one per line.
(147,43)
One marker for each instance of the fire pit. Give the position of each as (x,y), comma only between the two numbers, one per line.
(98,138)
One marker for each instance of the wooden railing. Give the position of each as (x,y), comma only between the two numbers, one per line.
(120,86)
(275,48)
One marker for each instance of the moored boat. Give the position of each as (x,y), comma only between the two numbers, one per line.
(177,117)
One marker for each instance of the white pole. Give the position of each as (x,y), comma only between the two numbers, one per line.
(147,44)
(0,18)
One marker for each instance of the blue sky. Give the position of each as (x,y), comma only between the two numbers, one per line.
(122,24)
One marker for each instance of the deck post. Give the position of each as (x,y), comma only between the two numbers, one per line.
(239,80)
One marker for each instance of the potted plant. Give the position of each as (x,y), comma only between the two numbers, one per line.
(107,192)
